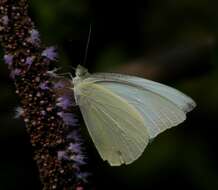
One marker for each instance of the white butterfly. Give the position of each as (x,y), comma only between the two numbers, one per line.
(123,112)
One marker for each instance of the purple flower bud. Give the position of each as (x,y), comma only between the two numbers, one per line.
(5,20)
(50,53)
(14,73)
(44,86)
(8,58)
(64,102)
(68,118)
(34,37)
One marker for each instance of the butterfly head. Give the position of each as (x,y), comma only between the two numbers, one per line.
(81,71)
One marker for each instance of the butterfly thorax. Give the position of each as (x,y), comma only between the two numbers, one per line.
(81,74)
(81,71)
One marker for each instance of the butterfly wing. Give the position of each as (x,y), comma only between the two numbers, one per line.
(161,106)
(116,127)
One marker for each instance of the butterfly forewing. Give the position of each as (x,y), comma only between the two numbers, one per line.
(161,106)
(180,99)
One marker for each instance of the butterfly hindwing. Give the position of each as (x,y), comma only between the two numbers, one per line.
(116,127)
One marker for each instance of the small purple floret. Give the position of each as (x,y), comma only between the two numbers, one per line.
(43,112)
(44,86)
(75,147)
(68,118)
(62,155)
(59,84)
(34,37)
(74,135)
(8,58)
(5,20)
(50,53)
(29,61)
(79,159)
(64,102)
(14,73)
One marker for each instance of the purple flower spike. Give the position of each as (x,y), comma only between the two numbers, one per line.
(68,118)
(64,102)
(44,86)
(50,53)
(5,20)
(8,58)
(59,152)
(14,73)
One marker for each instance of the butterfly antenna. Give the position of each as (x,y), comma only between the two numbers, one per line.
(87,45)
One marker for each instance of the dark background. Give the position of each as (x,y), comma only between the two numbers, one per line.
(171,41)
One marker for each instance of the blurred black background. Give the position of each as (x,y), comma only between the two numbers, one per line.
(171,41)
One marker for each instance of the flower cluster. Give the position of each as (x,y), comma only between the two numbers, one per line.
(45,105)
